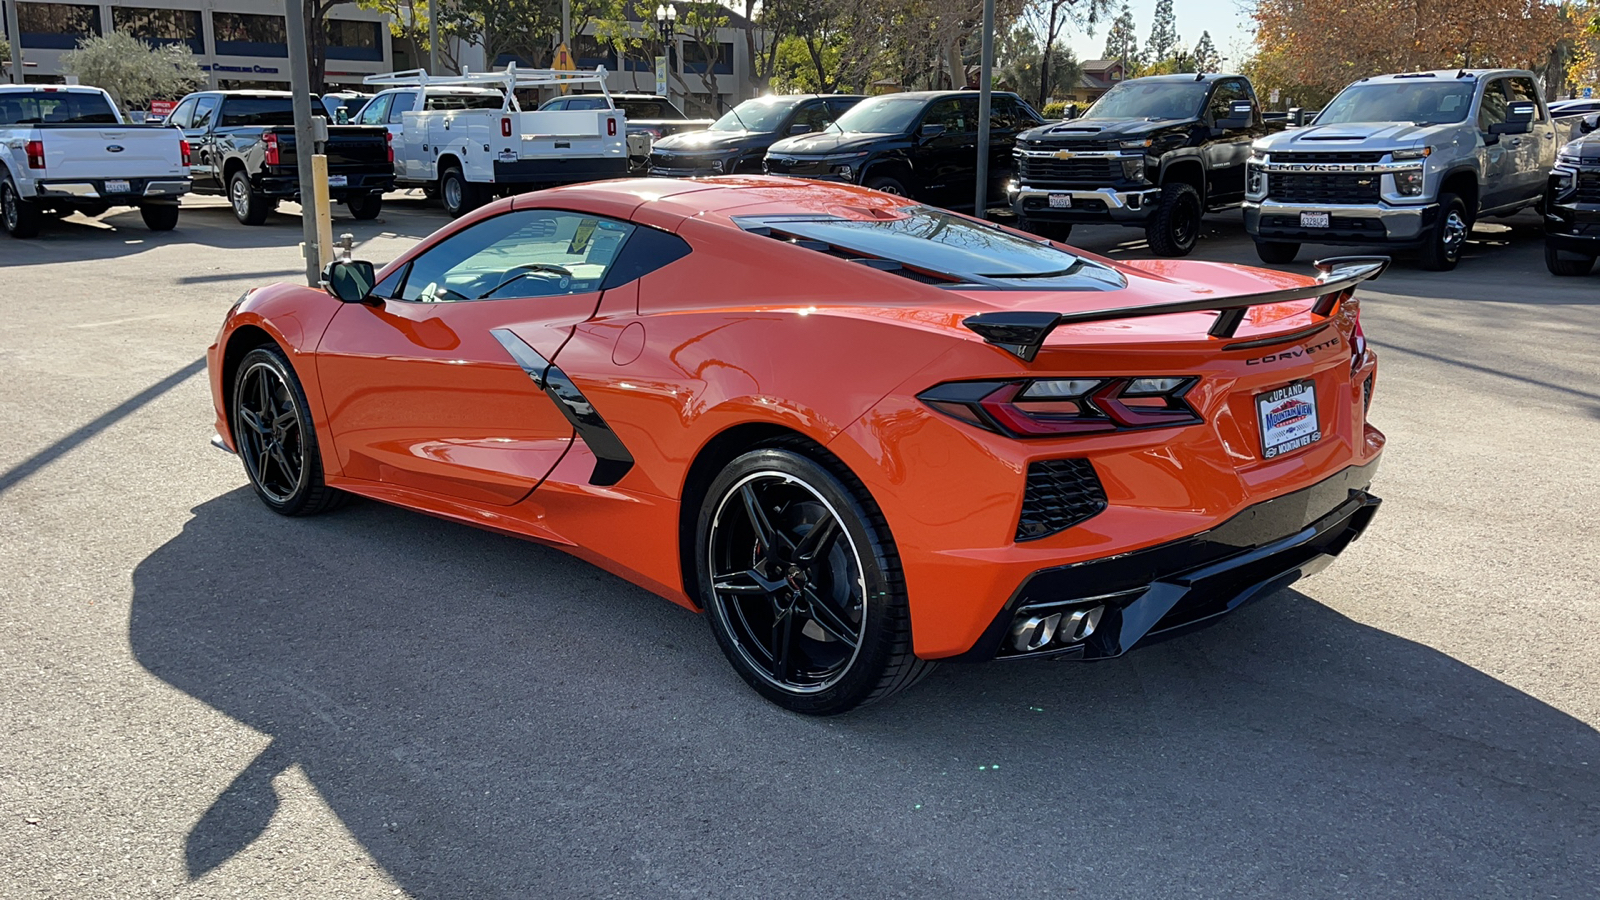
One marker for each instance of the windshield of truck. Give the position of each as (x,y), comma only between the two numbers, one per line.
(764,115)
(888,114)
(1151,100)
(249,112)
(55,107)
(1422,102)
(640,110)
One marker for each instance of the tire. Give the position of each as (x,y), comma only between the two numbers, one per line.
(888,184)
(458,195)
(1175,226)
(274,436)
(159,216)
(249,207)
(1566,267)
(1277,251)
(19,217)
(1442,247)
(853,590)
(1050,231)
(365,206)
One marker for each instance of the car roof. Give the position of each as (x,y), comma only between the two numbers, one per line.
(1445,75)
(51,88)
(1184,77)
(939,95)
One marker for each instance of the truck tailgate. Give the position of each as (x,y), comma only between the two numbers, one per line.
(350,148)
(110,151)
(560,133)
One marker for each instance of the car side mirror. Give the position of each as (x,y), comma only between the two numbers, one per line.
(350,280)
(1589,123)
(1240,115)
(799,129)
(932,129)
(1519,120)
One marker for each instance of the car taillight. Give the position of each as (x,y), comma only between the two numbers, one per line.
(388,144)
(611,128)
(34,150)
(183,151)
(505,126)
(1055,407)
(272,149)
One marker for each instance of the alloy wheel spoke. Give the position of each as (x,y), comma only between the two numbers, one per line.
(830,620)
(253,421)
(740,583)
(769,536)
(782,655)
(817,542)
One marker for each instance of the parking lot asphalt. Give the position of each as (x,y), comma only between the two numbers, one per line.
(202,699)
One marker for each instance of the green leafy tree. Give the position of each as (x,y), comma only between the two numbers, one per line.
(408,23)
(1023,67)
(132,71)
(1049,20)
(1122,41)
(1163,41)
(1206,58)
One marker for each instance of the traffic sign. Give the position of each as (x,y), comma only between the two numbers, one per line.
(1588,93)
(564,63)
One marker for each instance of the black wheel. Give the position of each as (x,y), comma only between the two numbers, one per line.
(273,434)
(20,217)
(1051,231)
(801,582)
(1175,226)
(1442,248)
(365,206)
(458,195)
(159,216)
(249,207)
(887,184)
(1575,265)
(1277,251)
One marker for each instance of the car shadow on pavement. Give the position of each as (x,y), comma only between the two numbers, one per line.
(491,718)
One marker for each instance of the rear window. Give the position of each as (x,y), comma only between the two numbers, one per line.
(265,111)
(647,109)
(55,108)
(466,101)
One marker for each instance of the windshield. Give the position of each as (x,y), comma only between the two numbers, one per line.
(1151,100)
(1422,102)
(55,107)
(888,114)
(764,115)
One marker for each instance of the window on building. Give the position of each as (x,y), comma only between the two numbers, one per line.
(161,26)
(247,34)
(694,58)
(56,26)
(350,39)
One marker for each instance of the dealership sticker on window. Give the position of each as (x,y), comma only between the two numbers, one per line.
(1288,419)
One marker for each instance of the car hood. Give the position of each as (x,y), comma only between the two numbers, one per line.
(1097,130)
(827,142)
(704,141)
(1586,148)
(1355,136)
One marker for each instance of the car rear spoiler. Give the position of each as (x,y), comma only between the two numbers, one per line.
(1023,333)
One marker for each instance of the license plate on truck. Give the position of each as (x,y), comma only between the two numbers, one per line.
(1316,219)
(1060,201)
(1288,418)
(117,187)
(338,181)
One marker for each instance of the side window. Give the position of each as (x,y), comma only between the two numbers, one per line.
(1495,104)
(837,107)
(377,112)
(1002,113)
(950,113)
(524,253)
(813,115)
(401,103)
(1523,91)
(1223,96)
(181,116)
(204,109)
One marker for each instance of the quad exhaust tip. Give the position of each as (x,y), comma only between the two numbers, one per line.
(1030,633)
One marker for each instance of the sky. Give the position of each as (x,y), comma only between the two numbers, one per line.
(1227,21)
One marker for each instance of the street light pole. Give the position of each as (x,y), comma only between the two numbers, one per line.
(14,35)
(433,37)
(666,24)
(305,136)
(980,203)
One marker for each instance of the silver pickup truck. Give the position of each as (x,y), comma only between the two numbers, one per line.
(1406,160)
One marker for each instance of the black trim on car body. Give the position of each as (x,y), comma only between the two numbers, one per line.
(612,459)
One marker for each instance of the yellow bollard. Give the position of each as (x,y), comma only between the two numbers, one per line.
(319,171)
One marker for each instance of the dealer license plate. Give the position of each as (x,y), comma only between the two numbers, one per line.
(117,187)
(1060,201)
(1315,219)
(1288,418)
(338,180)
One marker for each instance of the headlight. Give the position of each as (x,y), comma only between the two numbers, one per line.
(845,172)
(1255,181)
(1408,183)
(1563,184)
(1139,144)
(1413,153)
(1133,168)
(1563,159)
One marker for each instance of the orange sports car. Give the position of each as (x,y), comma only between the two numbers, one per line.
(862,434)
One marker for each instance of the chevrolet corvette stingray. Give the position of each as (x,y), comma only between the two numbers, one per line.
(863,435)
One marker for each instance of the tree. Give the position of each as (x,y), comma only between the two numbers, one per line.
(1206,58)
(1163,41)
(132,71)
(1023,68)
(1122,41)
(1049,19)
(408,22)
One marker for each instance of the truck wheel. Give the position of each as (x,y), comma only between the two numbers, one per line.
(21,218)
(365,206)
(1277,251)
(1176,225)
(887,185)
(1448,235)
(1050,231)
(249,207)
(1566,267)
(458,195)
(159,216)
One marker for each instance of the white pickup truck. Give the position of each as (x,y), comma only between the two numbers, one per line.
(470,154)
(66,149)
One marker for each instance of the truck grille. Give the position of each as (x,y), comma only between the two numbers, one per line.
(798,166)
(1314,188)
(1060,493)
(1589,187)
(1301,157)
(1045,171)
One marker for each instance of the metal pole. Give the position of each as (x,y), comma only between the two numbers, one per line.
(433,37)
(14,35)
(566,25)
(980,203)
(305,135)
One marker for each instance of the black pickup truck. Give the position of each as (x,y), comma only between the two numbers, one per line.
(242,146)
(1572,204)
(1156,152)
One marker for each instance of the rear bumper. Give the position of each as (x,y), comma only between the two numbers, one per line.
(1163,590)
(288,185)
(559,171)
(139,190)
(1089,206)
(1275,220)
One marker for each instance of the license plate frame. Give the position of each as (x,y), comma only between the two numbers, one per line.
(1316,220)
(118,186)
(338,181)
(1059,201)
(1288,418)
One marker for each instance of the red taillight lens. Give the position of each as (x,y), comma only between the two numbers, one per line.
(611,128)
(505,127)
(272,149)
(183,150)
(1054,407)
(35,153)
(388,145)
